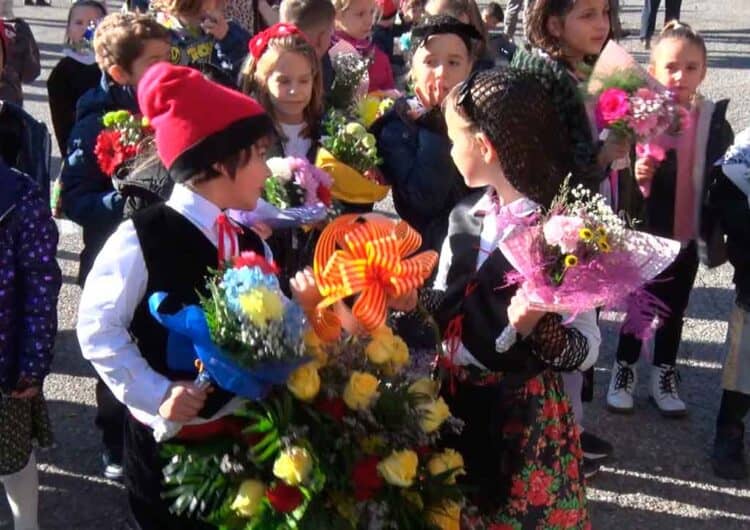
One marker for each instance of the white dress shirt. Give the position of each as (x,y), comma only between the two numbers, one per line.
(114,288)
(490,239)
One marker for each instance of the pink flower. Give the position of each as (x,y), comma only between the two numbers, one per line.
(562,230)
(646,126)
(612,105)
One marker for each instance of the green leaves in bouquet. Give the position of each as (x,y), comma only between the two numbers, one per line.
(395,408)
(349,142)
(627,79)
(270,420)
(276,193)
(198,478)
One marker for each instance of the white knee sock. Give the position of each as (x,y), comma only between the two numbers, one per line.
(22,490)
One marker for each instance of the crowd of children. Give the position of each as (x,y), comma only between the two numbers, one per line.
(481,131)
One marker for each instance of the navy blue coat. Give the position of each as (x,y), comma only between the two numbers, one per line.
(417,164)
(30,280)
(88,197)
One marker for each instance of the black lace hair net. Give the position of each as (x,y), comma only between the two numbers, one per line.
(521,121)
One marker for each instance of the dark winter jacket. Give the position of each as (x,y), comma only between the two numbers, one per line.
(712,141)
(22,63)
(30,280)
(195,49)
(417,164)
(88,197)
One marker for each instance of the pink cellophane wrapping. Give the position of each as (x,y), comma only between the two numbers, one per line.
(613,281)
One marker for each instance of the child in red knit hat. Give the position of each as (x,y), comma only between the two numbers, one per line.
(217,160)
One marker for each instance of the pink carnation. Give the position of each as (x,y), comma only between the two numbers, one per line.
(562,230)
(612,105)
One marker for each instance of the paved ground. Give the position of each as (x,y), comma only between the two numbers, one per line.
(659,478)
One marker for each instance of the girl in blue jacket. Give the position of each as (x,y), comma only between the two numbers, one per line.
(412,137)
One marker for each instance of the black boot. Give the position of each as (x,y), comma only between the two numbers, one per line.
(728,458)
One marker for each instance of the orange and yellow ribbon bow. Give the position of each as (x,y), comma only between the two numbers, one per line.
(370,256)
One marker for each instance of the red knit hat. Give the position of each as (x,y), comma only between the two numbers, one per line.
(388,8)
(196,121)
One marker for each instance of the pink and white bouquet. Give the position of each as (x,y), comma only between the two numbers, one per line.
(580,256)
(296,194)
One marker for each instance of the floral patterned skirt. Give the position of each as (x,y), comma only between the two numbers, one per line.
(522,452)
(22,421)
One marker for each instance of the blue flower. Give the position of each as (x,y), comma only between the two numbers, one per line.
(294,322)
(238,281)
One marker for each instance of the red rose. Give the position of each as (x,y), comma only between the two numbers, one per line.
(572,470)
(539,484)
(284,498)
(558,517)
(324,195)
(333,407)
(553,432)
(366,479)
(534,387)
(612,105)
(518,489)
(550,410)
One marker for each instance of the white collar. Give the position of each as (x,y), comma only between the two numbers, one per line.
(196,208)
(521,207)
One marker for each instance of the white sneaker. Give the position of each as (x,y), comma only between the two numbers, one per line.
(621,388)
(664,379)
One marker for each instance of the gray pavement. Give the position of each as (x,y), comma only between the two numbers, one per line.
(659,477)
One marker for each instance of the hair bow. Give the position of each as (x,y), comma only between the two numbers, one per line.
(259,42)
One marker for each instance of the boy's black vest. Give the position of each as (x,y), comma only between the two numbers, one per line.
(178,257)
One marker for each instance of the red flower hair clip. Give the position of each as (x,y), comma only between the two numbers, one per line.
(259,42)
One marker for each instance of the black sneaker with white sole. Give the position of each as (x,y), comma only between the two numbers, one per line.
(589,468)
(594,448)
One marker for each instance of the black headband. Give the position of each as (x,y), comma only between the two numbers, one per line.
(441,25)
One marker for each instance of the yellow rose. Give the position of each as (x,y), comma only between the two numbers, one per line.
(249,498)
(314,347)
(261,305)
(399,353)
(424,388)
(446,516)
(361,390)
(293,465)
(433,414)
(399,468)
(446,461)
(304,382)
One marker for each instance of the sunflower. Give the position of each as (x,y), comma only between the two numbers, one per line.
(604,245)
(601,232)
(586,234)
(571,261)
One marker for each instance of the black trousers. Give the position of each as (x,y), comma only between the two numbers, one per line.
(672,287)
(648,15)
(110,419)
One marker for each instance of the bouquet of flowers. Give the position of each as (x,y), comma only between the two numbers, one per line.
(296,194)
(245,334)
(351,80)
(120,140)
(349,443)
(736,162)
(579,256)
(349,154)
(372,107)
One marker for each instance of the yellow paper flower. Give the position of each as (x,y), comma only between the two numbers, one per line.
(586,234)
(314,347)
(424,388)
(293,465)
(304,382)
(369,109)
(261,305)
(446,516)
(446,461)
(603,245)
(361,390)
(433,414)
(570,261)
(249,498)
(400,468)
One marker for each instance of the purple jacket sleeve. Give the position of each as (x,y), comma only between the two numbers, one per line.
(39,281)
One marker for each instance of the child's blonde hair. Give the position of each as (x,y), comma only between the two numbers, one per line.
(255,73)
(121,38)
(674,29)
